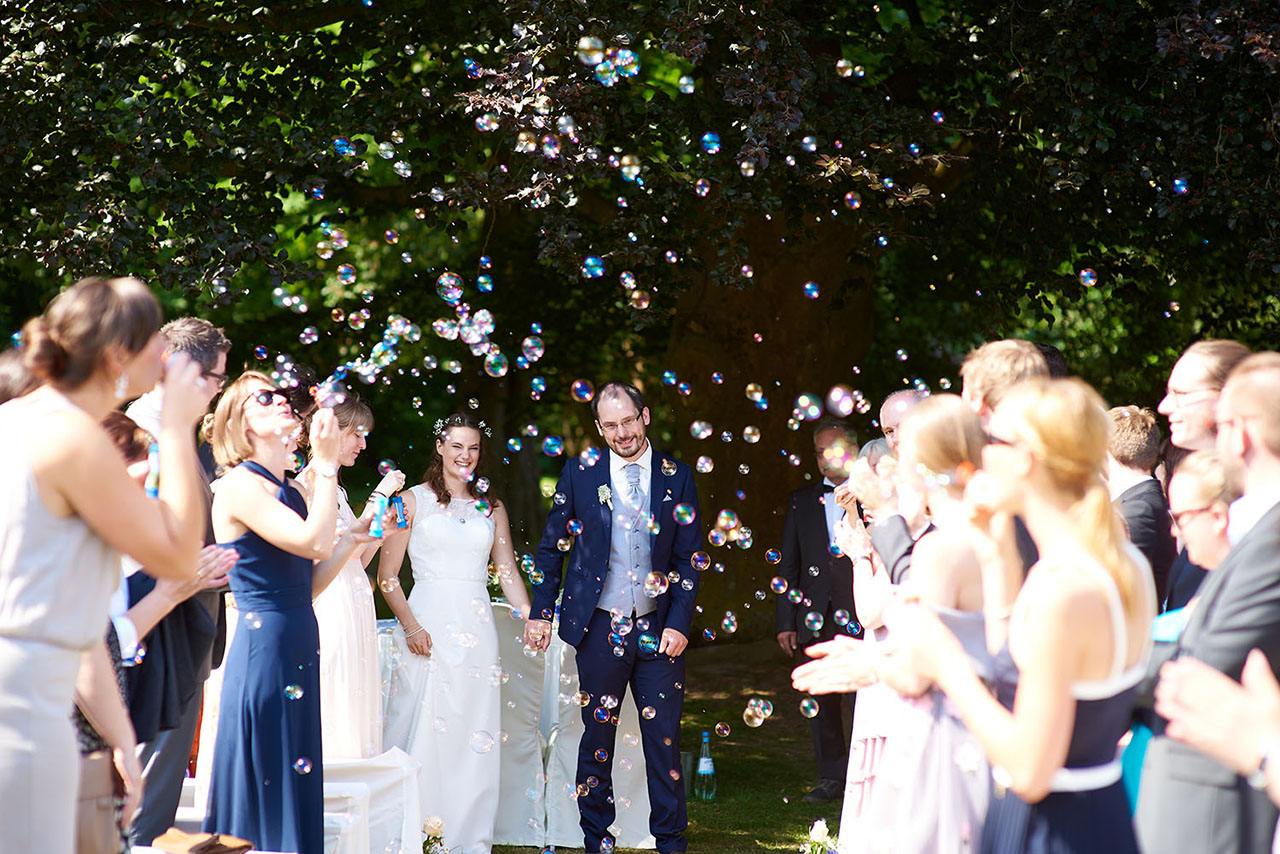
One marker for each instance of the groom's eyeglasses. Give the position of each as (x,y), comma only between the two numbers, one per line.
(627,423)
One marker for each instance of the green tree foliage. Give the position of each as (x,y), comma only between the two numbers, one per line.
(943,173)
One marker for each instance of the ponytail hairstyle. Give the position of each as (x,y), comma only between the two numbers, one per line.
(65,345)
(944,435)
(434,476)
(1065,425)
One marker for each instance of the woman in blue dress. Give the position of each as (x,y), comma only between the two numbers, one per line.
(1073,637)
(266,783)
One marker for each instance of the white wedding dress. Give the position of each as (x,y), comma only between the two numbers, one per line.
(445,711)
(350,682)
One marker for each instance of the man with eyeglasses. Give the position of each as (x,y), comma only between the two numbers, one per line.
(630,524)
(1188,800)
(1190,397)
(165,688)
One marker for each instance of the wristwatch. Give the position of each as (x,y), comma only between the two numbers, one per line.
(1270,755)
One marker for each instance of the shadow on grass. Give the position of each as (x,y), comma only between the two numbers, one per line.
(761,773)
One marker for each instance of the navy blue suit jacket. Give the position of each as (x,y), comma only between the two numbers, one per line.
(671,547)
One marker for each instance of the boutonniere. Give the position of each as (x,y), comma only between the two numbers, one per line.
(605,495)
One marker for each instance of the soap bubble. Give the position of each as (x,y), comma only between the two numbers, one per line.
(449,287)
(773,556)
(811,290)
(403,169)
(590,51)
(840,617)
(684,514)
(809,143)
(711,142)
(686,85)
(553,446)
(293,692)
(702,186)
(844,68)
(729,623)
(627,63)
(938,117)
(704,465)
(1180,186)
(1088,277)
(808,407)
(309,335)
(480,741)
(592,267)
(750,434)
(472,67)
(752,717)
(302,766)
(700,429)
(809,707)
(583,391)
(901,355)
(813,621)
(532,348)
(852,200)
(639,300)
(647,642)
(655,584)
(747,168)
(487,123)
(496,364)
(606,73)
(629,166)
(722,729)
(700,561)
(648,713)
(551,146)
(778,585)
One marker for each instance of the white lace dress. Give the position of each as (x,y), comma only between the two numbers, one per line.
(445,711)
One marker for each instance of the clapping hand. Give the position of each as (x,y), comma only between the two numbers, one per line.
(852,538)
(873,489)
(839,666)
(212,568)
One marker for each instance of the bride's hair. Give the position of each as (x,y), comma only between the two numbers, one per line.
(434,477)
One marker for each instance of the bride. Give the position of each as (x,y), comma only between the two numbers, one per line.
(445,708)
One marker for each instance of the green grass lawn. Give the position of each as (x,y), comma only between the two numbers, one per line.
(761,773)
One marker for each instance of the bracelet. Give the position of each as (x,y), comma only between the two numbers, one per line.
(324,471)
(376,492)
(416,631)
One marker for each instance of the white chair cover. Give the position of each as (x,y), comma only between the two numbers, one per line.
(522,786)
(394,820)
(346,817)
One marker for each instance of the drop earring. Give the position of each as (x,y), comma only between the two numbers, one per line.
(122,386)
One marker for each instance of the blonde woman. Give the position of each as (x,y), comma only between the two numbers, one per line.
(1075,634)
(266,784)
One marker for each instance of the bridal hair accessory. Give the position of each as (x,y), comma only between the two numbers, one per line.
(442,425)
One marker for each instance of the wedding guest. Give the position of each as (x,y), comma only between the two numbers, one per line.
(267,779)
(1132,454)
(608,588)
(350,677)
(825,577)
(895,408)
(937,797)
(1195,383)
(1190,801)
(990,371)
(69,509)
(446,711)
(165,688)
(1077,631)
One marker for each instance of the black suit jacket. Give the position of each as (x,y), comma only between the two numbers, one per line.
(806,544)
(1147,514)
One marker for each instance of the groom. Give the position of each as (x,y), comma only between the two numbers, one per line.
(628,603)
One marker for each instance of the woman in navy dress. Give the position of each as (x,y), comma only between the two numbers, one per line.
(266,783)
(1073,637)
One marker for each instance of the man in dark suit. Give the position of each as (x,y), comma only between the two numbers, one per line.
(824,579)
(629,591)
(1189,801)
(1132,453)
(165,689)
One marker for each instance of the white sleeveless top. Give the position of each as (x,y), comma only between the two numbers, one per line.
(56,574)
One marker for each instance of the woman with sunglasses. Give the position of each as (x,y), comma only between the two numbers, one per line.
(266,784)
(1075,634)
